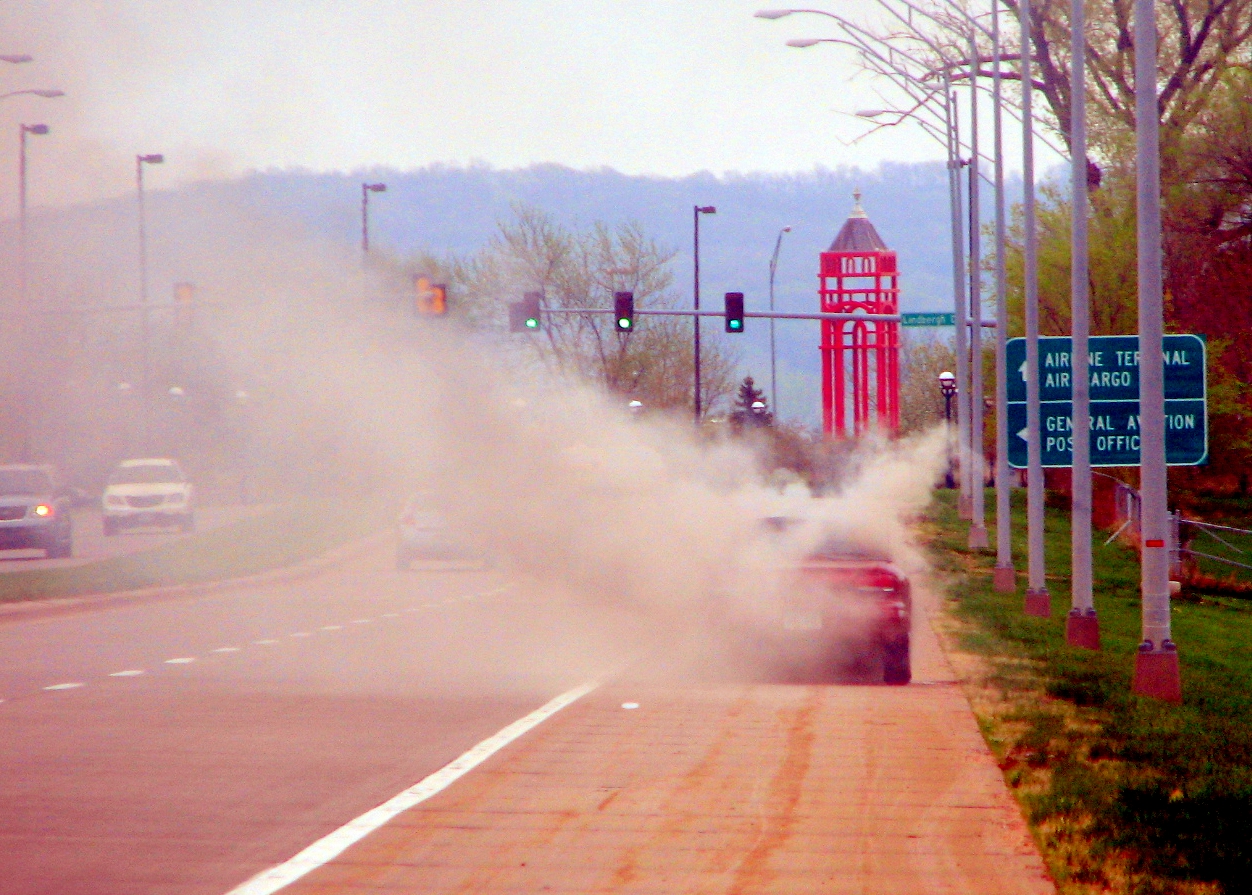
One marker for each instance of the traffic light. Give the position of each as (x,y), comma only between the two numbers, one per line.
(430,299)
(624,311)
(524,314)
(734,312)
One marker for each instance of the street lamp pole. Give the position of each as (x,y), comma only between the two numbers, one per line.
(978,526)
(1156,663)
(1081,624)
(947,386)
(145,397)
(697,211)
(1005,577)
(1037,600)
(37,129)
(773,367)
(366,189)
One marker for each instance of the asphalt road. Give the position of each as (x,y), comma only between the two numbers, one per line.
(182,746)
(91,545)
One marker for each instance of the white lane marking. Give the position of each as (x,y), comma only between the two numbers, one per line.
(340,627)
(301,634)
(391,615)
(362,621)
(185,660)
(64,686)
(331,846)
(264,642)
(635,705)
(130,672)
(226,649)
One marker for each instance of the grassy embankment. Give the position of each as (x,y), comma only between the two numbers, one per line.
(1123,794)
(288,534)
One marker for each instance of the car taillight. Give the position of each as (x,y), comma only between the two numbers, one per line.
(44,509)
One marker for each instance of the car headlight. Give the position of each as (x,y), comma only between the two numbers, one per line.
(44,510)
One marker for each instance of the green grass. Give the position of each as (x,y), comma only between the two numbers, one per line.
(1125,794)
(288,534)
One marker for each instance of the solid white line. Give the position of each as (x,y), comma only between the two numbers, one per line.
(333,845)
(63,686)
(130,672)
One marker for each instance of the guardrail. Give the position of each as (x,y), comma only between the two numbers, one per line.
(1129,506)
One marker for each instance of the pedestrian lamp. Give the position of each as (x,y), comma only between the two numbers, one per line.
(947,385)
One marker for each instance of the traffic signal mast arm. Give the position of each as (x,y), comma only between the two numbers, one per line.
(768,315)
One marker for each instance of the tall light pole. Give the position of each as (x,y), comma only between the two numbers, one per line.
(1081,625)
(773,365)
(1005,577)
(1156,663)
(366,189)
(38,130)
(145,397)
(1038,602)
(697,211)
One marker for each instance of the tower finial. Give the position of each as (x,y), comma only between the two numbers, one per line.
(857,210)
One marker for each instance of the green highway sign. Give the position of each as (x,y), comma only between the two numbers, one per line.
(1114,368)
(937,319)
(1114,393)
(1114,433)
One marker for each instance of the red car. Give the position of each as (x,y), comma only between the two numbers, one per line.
(843,605)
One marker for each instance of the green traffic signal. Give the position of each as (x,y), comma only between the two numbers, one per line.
(734,312)
(624,311)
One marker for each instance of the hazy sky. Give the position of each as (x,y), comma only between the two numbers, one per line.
(221,87)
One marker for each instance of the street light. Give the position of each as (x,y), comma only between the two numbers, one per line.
(140,161)
(696,212)
(366,189)
(773,369)
(38,130)
(947,386)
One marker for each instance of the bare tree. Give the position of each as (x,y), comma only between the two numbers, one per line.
(578,271)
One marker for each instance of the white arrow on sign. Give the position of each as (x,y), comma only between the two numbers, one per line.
(1023,370)
(1023,435)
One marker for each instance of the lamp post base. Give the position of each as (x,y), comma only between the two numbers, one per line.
(1005,579)
(965,506)
(978,537)
(1082,629)
(1157,674)
(1038,603)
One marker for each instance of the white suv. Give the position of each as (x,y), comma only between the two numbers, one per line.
(148,492)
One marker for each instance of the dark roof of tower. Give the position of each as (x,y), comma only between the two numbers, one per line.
(857,233)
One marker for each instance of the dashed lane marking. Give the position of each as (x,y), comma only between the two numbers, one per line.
(226,649)
(265,642)
(362,621)
(331,846)
(182,660)
(129,672)
(301,634)
(72,686)
(332,627)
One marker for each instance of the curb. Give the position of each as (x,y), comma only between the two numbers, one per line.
(22,610)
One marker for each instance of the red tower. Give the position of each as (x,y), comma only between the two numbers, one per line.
(860,358)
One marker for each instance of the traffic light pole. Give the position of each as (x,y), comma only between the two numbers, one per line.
(764,315)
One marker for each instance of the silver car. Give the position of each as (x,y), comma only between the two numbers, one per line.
(34,511)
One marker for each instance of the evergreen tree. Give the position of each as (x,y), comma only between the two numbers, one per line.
(745,414)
